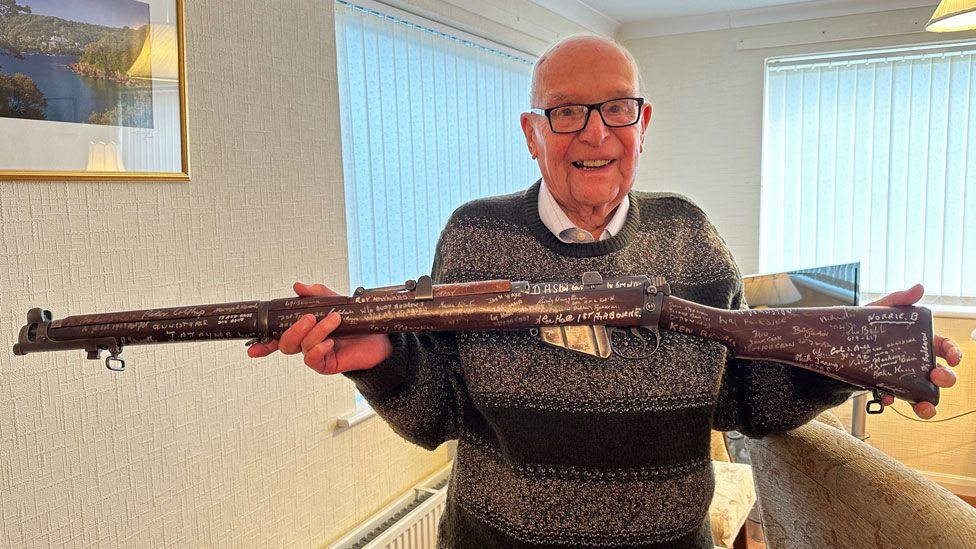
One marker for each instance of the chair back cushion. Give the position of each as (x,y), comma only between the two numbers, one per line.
(820,487)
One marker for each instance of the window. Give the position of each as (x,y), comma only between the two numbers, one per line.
(871,157)
(429,121)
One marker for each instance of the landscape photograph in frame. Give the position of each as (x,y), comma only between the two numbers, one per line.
(92,89)
(70,61)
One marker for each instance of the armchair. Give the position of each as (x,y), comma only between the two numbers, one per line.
(818,486)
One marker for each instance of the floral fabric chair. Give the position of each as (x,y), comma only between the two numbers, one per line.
(821,487)
(734,496)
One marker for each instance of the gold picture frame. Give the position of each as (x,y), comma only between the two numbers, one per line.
(142,136)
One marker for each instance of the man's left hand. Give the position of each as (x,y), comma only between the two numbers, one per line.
(944,347)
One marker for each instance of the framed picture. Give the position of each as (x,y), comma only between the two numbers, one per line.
(93,90)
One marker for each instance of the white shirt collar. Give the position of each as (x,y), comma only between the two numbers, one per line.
(556,221)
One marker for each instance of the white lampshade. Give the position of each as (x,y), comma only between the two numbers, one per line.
(104,157)
(772,290)
(953,15)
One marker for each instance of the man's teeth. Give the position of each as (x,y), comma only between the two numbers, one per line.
(591,163)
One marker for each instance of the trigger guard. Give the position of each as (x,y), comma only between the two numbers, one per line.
(636,331)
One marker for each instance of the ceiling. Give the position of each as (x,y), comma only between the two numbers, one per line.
(628,19)
(626,11)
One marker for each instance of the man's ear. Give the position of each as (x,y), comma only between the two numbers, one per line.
(645,121)
(529,132)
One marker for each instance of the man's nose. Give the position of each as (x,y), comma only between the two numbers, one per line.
(595,132)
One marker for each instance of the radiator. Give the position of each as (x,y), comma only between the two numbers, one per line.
(410,522)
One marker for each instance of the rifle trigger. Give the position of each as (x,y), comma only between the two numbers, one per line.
(657,338)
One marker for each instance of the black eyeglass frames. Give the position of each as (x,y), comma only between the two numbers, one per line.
(616,113)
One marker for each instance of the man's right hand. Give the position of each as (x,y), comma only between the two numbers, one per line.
(324,354)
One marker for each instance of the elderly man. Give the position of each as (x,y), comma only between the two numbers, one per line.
(556,448)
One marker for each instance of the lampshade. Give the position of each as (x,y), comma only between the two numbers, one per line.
(772,290)
(953,15)
(104,157)
(158,59)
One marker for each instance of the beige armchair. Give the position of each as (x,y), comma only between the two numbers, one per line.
(820,487)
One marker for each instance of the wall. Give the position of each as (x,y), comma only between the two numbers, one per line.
(196,445)
(705,141)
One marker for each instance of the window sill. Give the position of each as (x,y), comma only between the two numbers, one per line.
(352,419)
(952,311)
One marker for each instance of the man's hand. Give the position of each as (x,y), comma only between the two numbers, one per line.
(944,347)
(324,354)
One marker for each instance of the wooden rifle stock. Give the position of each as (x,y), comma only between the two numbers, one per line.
(886,349)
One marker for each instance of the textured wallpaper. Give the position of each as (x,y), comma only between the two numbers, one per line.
(194,445)
(197,445)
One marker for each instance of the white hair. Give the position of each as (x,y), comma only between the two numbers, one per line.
(533,85)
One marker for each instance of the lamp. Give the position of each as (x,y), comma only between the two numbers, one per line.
(953,15)
(104,157)
(159,58)
(773,290)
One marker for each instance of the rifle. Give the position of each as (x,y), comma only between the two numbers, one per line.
(885,349)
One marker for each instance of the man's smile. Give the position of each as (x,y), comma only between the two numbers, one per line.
(590,165)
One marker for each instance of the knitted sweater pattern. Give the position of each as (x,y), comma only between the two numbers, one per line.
(561,449)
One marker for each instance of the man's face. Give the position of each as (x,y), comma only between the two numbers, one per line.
(586,72)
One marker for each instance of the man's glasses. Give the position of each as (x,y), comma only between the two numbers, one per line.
(616,113)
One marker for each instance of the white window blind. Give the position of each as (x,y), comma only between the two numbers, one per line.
(871,157)
(429,121)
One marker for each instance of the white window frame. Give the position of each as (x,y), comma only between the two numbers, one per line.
(362,410)
(965,306)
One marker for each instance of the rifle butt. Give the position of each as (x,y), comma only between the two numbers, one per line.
(885,348)
(890,349)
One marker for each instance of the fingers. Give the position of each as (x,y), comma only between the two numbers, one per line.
(307,336)
(924,410)
(321,331)
(291,341)
(942,377)
(321,358)
(948,349)
(305,290)
(258,350)
(312,339)
(903,297)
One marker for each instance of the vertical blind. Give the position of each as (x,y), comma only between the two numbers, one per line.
(429,121)
(872,158)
